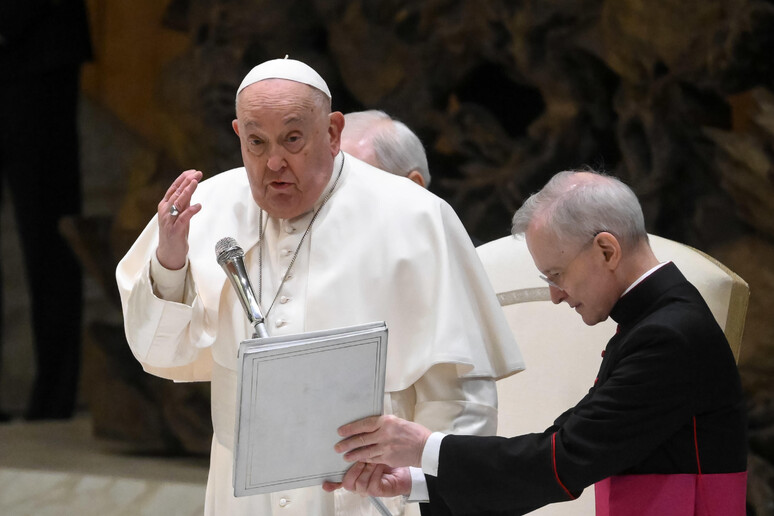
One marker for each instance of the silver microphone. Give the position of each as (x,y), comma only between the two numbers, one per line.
(231,258)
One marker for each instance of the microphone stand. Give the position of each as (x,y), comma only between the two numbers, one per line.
(380,507)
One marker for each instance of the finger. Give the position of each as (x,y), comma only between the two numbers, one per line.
(182,198)
(366,425)
(185,216)
(179,181)
(330,487)
(172,194)
(351,476)
(375,486)
(353,443)
(368,454)
(364,479)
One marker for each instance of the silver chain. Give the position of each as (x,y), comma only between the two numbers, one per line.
(298,248)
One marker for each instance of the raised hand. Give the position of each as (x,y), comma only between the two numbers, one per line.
(174,213)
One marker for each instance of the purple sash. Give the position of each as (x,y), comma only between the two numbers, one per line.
(722,494)
(680,494)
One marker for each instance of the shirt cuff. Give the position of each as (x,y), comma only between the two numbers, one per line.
(419,492)
(168,284)
(431,452)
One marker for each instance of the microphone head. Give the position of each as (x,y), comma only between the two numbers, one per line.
(227,249)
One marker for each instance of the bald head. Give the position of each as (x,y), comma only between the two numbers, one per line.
(377,139)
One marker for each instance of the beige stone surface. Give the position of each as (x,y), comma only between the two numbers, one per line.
(56,468)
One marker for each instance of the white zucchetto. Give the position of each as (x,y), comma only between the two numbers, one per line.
(288,69)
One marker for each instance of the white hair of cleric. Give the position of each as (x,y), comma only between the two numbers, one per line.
(576,209)
(288,69)
(396,148)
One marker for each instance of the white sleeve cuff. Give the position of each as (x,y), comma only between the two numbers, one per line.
(168,284)
(419,492)
(431,452)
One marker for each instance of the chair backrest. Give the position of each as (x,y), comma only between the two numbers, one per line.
(562,354)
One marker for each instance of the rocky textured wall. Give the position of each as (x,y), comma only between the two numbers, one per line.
(506,93)
(676,98)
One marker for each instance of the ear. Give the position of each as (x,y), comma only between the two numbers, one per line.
(335,127)
(415,176)
(235,125)
(610,249)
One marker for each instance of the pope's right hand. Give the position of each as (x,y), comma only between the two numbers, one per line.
(173,229)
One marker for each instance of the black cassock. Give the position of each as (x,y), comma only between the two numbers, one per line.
(668,363)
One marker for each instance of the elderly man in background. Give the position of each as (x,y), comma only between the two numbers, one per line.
(662,429)
(381,141)
(325,237)
(388,144)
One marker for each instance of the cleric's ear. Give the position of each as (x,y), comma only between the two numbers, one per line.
(415,176)
(609,248)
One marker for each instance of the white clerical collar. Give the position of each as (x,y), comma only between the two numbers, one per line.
(642,278)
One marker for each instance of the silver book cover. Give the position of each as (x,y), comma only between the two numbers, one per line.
(293,393)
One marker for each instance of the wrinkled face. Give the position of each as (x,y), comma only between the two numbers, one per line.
(578,274)
(288,141)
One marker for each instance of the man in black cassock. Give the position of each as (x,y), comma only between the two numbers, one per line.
(661,431)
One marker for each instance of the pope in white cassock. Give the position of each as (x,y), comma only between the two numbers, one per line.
(332,242)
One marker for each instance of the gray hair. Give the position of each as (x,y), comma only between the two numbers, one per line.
(576,205)
(396,148)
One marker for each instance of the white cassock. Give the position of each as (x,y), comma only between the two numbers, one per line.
(381,249)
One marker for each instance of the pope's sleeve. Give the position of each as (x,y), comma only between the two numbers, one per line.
(450,404)
(457,394)
(158,330)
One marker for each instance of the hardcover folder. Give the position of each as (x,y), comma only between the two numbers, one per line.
(293,393)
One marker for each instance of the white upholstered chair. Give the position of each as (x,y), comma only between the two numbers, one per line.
(562,354)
